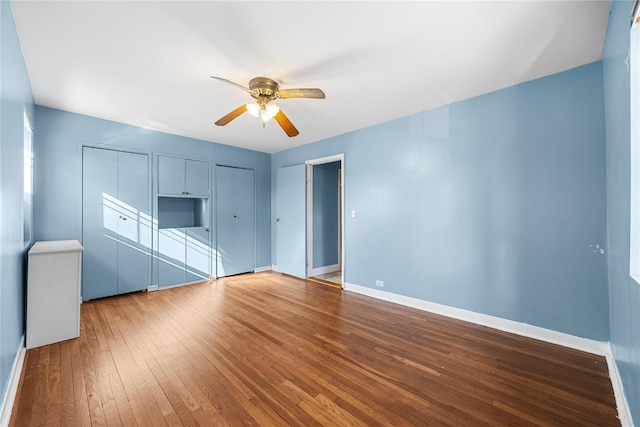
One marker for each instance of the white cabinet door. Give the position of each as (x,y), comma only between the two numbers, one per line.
(170,175)
(171,256)
(184,255)
(198,254)
(183,177)
(196,178)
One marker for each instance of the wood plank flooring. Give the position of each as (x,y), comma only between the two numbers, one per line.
(270,350)
(334,277)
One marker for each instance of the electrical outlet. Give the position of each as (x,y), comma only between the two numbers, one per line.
(379,283)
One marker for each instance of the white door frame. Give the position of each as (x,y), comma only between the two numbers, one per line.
(309,166)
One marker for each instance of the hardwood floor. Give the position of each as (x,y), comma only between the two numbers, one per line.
(333,277)
(266,349)
(324,282)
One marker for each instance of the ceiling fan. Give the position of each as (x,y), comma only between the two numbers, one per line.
(264,91)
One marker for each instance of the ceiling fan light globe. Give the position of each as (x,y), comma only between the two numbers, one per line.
(270,111)
(254,109)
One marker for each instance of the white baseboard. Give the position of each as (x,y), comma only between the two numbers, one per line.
(152,288)
(524,329)
(324,270)
(12,388)
(261,269)
(624,413)
(536,332)
(178,285)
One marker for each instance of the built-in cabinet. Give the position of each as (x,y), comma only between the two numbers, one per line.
(184,237)
(184,255)
(183,177)
(116,222)
(120,232)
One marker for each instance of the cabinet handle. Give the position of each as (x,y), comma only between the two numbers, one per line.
(235,216)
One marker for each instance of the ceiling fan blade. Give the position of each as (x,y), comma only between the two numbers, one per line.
(286,124)
(232,115)
(300,93)
(246,89)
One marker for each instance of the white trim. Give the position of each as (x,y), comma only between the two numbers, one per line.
(308,173)
(152,288)
(324,270)
(343,239)
(12,388)
(341,214)
(309,234)
(261,269)
(27,182)
(634,157)
(624,413)
(524,329)
(327,159)
(178,285)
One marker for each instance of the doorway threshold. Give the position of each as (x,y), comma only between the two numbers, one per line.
(325,282)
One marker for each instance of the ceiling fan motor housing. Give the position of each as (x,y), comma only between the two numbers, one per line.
(263,87)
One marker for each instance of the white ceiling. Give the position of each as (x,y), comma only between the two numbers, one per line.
(147,63)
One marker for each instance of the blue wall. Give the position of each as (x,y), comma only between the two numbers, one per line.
(624,292)
(15,97)
(495,204)
(325,214)
(58,176)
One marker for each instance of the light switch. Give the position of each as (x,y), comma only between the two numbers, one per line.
(353,213)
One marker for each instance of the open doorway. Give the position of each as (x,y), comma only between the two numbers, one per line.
(325,220)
